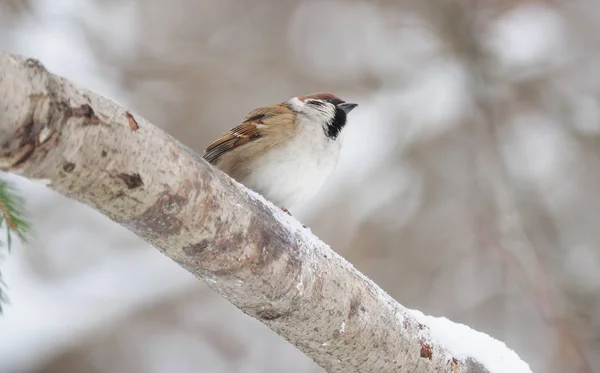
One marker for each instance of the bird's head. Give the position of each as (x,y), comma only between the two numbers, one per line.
(326,109)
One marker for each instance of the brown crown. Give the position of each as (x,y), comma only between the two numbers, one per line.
(319,96)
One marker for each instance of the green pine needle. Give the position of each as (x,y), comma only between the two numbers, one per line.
(12,217)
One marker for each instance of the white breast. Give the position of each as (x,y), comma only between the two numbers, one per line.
(295,172)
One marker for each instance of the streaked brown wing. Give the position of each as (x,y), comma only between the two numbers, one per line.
(237,136)
(253,127)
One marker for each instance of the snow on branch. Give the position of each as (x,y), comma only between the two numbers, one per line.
(88,148)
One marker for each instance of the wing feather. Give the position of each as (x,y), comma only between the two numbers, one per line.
(254,126)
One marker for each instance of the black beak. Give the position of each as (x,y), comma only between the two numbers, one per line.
(347,106)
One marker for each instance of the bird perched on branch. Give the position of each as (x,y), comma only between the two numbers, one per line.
(284,151)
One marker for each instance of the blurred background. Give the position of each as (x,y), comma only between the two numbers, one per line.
(467,186)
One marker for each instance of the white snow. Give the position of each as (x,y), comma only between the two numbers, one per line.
(462,342)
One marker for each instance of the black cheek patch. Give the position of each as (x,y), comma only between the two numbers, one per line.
(332,130)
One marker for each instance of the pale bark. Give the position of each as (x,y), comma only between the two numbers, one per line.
(90,149)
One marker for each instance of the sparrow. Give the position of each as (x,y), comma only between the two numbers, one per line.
(285,151)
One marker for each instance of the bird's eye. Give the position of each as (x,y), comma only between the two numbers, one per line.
(316,103)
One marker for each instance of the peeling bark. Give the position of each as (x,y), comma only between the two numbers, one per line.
(264,262)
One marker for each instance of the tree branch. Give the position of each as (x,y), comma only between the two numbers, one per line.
(88,148)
